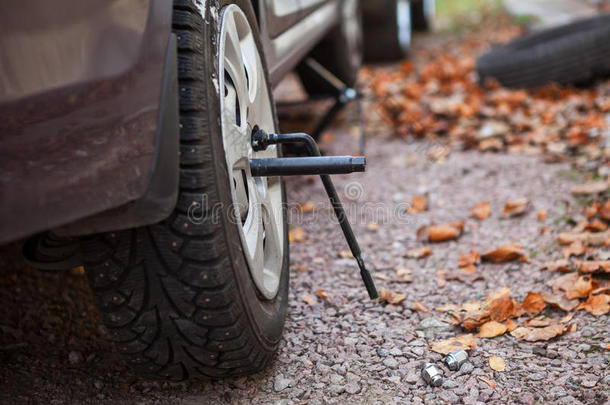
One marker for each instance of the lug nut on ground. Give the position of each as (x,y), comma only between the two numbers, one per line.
(454,360)
(432,375)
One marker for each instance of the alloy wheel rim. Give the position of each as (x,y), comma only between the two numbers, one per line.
(245,106)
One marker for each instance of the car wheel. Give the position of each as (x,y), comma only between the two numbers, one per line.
(340,52)
(422,14)
(387,30)
(204,293)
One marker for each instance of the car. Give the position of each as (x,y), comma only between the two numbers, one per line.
(125,144)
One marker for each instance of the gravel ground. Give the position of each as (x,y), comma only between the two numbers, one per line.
(346,348)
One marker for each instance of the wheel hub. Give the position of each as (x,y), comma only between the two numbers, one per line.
(245,106)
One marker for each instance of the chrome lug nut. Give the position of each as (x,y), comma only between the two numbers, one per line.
(432,375)
(454,360)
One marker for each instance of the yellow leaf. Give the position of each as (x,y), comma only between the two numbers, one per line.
(497,363)
(309,299)
(391,297)
(296,235)
(491,329)
(418,306)
(463,342)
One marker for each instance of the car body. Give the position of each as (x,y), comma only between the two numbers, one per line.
(81,94)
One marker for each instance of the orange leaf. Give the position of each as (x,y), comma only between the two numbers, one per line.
(307,207)
(515,207)
(557,265)
(297,235)
(594,187)
(491,329)
(594,266)
(560,301)
(587,238)
(309,299)
(418,306)
(533,303)
(480,210)
(538,334)
(511,325)
(575,249)
(501,309)
(467,259)
(443,233)
(505,253)
(463,342)
(596,304)
(391,297)
(322,294)
(417,253)
(418,204)
(542,215)
(581,289)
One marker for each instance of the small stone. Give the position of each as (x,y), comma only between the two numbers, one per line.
(281,383)
(396,352)
(466,368)
(552,354)
(539,350)
(75,357)
(352,388)
(556,363)
(557,392)
(418,351)
(412,378)
(536,376)
(335,389)
(431,323)
(449,384)
(98,384)
(382,352)
(584,347)
(589,381)
(390,362)
(449,397)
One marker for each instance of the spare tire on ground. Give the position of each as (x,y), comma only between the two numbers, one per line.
(575,53)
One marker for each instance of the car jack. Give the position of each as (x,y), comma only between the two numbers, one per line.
(315,164)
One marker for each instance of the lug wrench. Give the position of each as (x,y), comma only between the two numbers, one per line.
(260,141)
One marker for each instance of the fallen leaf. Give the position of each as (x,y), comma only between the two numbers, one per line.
(587,238)
(542,215)
(563,283)
(322,294)
(480,210)
(443,233)
(560,301)
(515,207)
(505,253)
(463,342)
(502,293)
(418,253)
(467,259)
(557,265)
(567,318)
(309,299)
(581,289)
(501,309)
(307,207)
(538,322)
(402,276)
(593,187)
(497,363)
(491,329)
(440,278)
(297,235)
(418,204)
(372,226)
(391,297)
(418,306)
(576,248)
(345,254)
(78,271)
(604,210)
(595,226)
(511,325)
(538,334)
(533,303)
(487,381)
(594,266)
(596,304)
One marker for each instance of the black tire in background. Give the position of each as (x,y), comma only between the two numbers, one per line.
(177,297)
(575,53)
(422,14)
(340,52)
(387,30)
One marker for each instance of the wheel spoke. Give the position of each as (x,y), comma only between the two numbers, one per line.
(234,65)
